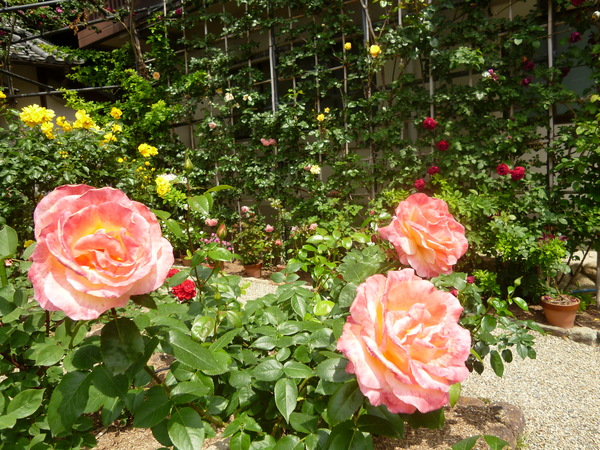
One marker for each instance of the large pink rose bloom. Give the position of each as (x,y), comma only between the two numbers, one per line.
(426,236)
(95,249)
(404,342)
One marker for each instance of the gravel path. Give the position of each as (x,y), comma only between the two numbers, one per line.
(559,391)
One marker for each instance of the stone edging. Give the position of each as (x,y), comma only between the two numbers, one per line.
(584,335)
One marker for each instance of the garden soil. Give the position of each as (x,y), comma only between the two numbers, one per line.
(468,418)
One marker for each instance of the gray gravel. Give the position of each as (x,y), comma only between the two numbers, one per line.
(559,391)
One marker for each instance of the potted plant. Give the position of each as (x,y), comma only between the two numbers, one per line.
(560,309)
(250,243)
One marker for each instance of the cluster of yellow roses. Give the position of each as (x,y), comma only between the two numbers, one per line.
(34,115)
(163,185)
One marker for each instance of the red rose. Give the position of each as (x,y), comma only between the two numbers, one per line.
(471,279)
(420,184)
(502,169)
(172,272)
(429,123)
(433,170)
(518,173)
(526,81)
(528,65)
(577,2)
(443,145)
(575,37)
(185,290)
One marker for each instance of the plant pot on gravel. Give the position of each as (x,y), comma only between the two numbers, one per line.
(253,270)
(560,310)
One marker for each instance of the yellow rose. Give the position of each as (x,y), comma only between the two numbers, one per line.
(348,46)
(83,120)
(147,150)
(375,50)
(47,128)
(163,186)
(321,117)
(61,122)
(2,95)
(120,160)
(116,113)
(36,115)
(108,137)
(116,128)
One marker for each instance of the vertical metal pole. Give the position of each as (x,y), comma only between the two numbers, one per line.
(549,162)
(273,69)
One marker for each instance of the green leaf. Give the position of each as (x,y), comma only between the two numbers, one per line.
(334,369)
(25,403)
(323,307)
(46,354)
(434,420)
(178,278)
(268,370)
(7,421)
(239,441)
(68,401)
(174,228)
(521,303)
(496,363)
(144,300)
(203,327)
(108,383)
(195,355)
(218,188)
(201,204)
(488,323)
(121,344)
(294,369)
(379,421)
(305,423)
(278,277)
(495,442)
(223,340)
(162,215)
(188,391)
(344,402)
(111,410)
(286,397)
(455,393)
(466,444)
(8,242)
(220,254)
(347,437)
(186,429)
(289,442)
(154,409)
(347,295)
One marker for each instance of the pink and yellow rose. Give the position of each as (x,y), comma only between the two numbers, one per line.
(95,249)
(404,343)
(426,236)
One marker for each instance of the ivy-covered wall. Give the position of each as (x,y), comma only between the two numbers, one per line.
(318,106)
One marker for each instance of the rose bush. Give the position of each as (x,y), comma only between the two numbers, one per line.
(404,342)
(426,236)
(95,249)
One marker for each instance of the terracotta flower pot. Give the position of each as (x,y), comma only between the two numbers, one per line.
(560,313)
(253,270)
